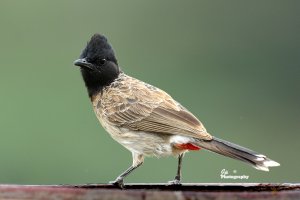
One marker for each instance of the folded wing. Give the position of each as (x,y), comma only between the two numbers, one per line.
(142,107)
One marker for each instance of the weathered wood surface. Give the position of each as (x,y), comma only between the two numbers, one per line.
(152,191)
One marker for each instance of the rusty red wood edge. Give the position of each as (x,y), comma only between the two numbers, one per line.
(154,191)
(198,186)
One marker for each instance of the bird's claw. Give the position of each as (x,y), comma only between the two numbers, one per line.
(118,183)
(174,182)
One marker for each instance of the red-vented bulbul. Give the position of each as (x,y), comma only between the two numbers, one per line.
(145,119)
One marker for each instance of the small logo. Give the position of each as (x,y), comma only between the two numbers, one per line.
(225,175)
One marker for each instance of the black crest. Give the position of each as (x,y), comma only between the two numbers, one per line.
(99,66)
(98,47)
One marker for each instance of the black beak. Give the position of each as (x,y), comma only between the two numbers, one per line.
(83,63)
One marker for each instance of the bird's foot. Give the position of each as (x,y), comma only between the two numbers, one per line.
(175,182)
(118,183)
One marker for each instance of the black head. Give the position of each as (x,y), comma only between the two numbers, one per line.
(98,64)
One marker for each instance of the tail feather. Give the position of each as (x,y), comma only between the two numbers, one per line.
(258,161)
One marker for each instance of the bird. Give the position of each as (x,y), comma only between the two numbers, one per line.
(145,119)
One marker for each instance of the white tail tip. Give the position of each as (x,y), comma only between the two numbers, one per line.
(264,163)
(262,168)
(271,163)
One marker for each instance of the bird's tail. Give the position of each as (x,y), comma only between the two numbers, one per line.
(258,161)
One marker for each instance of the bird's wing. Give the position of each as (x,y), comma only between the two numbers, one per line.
(139,106)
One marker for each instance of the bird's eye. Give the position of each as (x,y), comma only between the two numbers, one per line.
(102,61)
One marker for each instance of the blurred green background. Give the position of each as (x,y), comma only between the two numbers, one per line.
(234,64)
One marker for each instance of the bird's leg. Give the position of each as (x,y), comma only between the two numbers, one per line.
(138,160)
(177,179)
(119,180)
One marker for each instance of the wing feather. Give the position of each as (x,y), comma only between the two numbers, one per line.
(140,106)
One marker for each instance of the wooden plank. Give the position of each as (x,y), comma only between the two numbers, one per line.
(152,191)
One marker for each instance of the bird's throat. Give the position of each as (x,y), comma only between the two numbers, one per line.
(95,82)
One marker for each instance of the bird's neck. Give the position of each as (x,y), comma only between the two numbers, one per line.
(96,83)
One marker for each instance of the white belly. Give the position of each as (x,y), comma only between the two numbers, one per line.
(149,144)
(146,143)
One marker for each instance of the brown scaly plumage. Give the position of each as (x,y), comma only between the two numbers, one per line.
(135,105)
(146,120)
(128,105)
